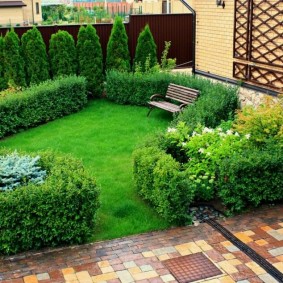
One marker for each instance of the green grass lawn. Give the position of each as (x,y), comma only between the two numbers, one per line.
(104,136)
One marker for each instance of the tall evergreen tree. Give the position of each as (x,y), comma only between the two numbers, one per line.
(146,48)
(13,60)
(3,80)
(35,56)
(90,59)
(62,54)
(118,55)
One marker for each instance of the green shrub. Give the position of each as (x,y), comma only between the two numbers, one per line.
(60,211)
(251,178)
(145,49)
(13,60)
(118,55)
(18,170)
(34,52)
(62,54)
(159,180)
(3,79)
(90,59)
(40,104)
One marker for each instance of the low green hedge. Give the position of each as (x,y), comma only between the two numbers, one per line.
(42,103)
(60,211)
(158,179)
(251,178)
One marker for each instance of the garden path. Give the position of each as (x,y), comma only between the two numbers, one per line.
(145,257)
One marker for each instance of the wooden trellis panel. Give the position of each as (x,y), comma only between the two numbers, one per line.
(258,39)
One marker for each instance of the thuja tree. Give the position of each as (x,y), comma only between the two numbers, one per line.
(118,55)
(3,81)
(35,56)
(13,60)
(145,50)
(62,54)
(90,59)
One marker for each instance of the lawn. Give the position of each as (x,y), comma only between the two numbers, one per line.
(104,135)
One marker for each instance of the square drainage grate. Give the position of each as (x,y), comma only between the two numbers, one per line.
(191,268)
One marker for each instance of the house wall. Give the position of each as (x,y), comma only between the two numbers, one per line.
(214,37)
(11,16)
(29,11)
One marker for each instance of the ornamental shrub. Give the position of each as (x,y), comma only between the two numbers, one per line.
(35,56)
(90,59)
(62,54)
(118,55)
(3,80)
(18,170)
(158,179)
(145,49)
(251,177)
(60,211)
(13,60)
(263,123)
(41,103)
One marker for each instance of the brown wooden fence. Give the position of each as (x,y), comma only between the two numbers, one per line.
(176,28)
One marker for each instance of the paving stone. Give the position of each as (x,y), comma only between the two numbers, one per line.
(70,277)
(243,281)
(163,251)
(129,264)
(163,257)
(232,249)
(30,279)
(275,234)
(68,271)
(234,261)
(148,254)
(107,269)
(43,276)
(266,278)
(228,256)
(255,268)
(104,277)
(261,242)
(125,276)
(134,270)
(227,267)
(167,278)
(104,263)
(146,267)
(276,252)
(226,279)
(279,266)
(145,275)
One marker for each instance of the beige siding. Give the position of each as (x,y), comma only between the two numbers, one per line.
(30,10)
(11,16)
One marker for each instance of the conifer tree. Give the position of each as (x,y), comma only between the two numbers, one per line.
(35,56)
(118,55)
(13,60)
(62,54)
(145,49)
(3,81)
(90,59)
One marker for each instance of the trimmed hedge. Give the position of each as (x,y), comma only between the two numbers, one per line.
(251,178)
(60,211)
(42,103)
(159,180)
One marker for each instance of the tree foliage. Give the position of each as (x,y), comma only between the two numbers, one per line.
(62,54)
(118,55)
(3,81)
(146,49)
(35,56)
(13,60)
(90,59)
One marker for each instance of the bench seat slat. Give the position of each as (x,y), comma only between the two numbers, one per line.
(166,106)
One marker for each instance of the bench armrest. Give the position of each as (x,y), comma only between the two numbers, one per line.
(182,106)
(153,97)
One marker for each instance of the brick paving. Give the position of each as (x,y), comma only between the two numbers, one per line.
(141,258)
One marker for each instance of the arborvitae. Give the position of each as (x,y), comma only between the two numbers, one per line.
(35,56)
(13,60)
(62,54)
(3,81)
(118,55)
(90,59)
(145,49)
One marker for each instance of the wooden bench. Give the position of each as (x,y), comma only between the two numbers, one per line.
(176,93)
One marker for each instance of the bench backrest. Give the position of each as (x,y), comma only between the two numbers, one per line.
(181,93)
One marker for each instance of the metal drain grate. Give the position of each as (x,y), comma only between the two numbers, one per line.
(247,250)
(191,268)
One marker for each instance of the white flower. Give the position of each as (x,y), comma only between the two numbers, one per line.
(237,134)
(207,130)
(222,135)
(219,129)
(201,150)
(194,133)
(229,132)
(184,143)
(171,130)
(208,153)
(248,136)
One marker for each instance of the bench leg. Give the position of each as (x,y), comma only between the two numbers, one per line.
(150,109)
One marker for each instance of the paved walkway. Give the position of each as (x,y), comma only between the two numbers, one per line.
(142,258)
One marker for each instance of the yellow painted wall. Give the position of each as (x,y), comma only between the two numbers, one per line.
(11,15)
(30,10)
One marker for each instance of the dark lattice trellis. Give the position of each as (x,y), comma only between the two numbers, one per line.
(258,39)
